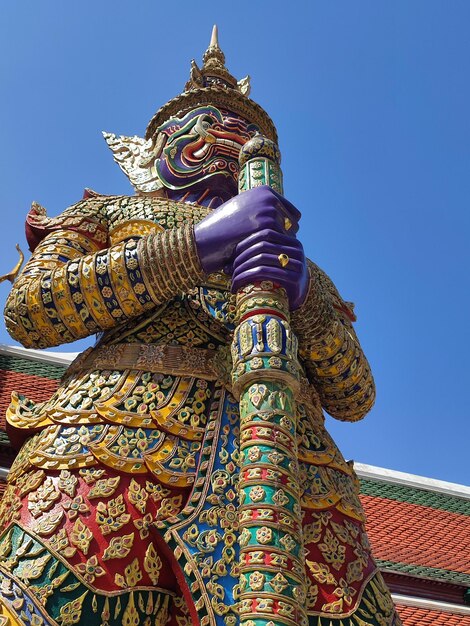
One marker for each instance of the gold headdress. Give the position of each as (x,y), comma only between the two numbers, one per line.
(213,84)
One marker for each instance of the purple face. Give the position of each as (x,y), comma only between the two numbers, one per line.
(202,151)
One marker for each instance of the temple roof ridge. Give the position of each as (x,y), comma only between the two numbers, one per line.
(383,474)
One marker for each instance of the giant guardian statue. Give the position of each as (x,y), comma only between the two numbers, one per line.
(182,473)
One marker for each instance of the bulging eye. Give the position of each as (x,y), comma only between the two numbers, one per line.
(201,127)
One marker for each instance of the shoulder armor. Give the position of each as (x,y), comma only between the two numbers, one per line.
(87,217)
(343,307)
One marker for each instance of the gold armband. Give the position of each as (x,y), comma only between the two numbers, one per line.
(169,262)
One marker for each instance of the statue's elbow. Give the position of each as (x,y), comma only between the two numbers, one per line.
(356,408)
(18,333)
(27,337)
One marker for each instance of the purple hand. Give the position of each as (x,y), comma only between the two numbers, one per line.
(218,234)
(257,259)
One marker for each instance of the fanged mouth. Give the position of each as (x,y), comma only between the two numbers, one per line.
(226,147)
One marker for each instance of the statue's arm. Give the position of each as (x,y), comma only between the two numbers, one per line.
(75,285)
(331,351)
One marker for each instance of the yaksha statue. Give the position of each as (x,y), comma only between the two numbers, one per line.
(182,473)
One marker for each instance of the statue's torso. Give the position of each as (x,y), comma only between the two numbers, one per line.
(128,440)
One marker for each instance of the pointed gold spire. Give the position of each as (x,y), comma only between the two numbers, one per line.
(214,66)
(214,37)
(212,84)
(214,62)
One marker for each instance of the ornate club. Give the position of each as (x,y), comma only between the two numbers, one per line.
(266,379)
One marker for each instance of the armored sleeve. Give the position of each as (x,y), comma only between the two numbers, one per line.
(331,352)
(76,284)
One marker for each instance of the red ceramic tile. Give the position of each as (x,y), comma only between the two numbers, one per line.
(418,535)
(413,616)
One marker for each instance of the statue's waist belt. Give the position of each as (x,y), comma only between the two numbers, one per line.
(167,359)
(176,360)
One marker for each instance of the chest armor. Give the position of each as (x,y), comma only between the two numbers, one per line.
(202,318)
(140,400)
(130,405)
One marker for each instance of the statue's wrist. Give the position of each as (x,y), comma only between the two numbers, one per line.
(170,262)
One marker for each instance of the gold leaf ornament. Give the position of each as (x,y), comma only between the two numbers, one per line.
(257,394)
(48,523)
(43,499)
(75,507)
(132,575)
(67,483)
(71,612)
(29,482)
(138,496)
(143,524)
(152,564)
(60,542)
(321,572)
(104,487)
(33,569)
(91,569)
(119,547)
(131,615)
(112,516)
(81,536)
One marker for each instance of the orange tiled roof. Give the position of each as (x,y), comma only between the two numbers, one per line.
(418,535)
(414,616)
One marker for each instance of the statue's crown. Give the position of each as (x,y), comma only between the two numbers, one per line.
(214,85)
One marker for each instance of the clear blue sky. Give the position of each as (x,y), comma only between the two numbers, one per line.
(371,102)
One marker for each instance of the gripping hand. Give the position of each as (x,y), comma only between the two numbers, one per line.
(277,257)
(247,214)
